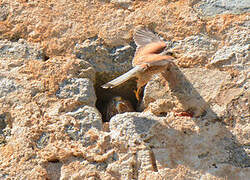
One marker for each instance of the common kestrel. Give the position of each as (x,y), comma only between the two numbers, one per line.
(118,105)
(149,59)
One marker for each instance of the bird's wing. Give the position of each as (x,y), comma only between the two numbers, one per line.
(151,48)
(121,79)
(147,43)
(143,36)
(152,60)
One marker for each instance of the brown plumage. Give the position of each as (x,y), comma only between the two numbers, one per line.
(148,60)
(118,105)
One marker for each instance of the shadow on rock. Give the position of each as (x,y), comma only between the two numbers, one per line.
(201,144)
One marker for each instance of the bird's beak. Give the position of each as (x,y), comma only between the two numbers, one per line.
(121,104)
(171,53)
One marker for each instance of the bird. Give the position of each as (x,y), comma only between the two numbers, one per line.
(148,60)
(118,105)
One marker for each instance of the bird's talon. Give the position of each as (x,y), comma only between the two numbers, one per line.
(137,94)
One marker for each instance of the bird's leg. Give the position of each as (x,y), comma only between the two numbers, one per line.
(137,94)
(140,84)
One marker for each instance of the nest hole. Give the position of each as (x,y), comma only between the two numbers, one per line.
(125,90)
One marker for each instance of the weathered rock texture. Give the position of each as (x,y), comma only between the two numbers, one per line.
(54,55)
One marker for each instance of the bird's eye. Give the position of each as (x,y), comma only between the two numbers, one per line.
(173,54)
(170,53)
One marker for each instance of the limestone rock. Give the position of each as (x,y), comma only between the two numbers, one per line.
(5,129)
(211,8)
(122,3)
(21,49)
(88,118)
(192,89)
(80,89)
(7,86)
(172,142)
(103,58)
(232,56)
(194,50)
(4,11)
(54,55)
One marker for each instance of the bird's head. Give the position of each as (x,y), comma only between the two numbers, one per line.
(122,105)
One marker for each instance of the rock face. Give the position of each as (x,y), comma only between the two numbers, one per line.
(192,120)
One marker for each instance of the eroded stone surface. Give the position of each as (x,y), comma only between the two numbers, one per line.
(211,8)
(103,58)
(7,86)
(50,53)
(192,89)
(88,118)
(20,49)
(174,141)
(80,89)
(194,50)
(232,56)
(4,8)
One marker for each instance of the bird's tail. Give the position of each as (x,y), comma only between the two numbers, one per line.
(123,78)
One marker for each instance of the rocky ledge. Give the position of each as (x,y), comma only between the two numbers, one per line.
(192,121)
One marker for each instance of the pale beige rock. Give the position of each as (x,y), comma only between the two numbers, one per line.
(192,89)
(168,142)
(21,49)
(55,54)
(79,89)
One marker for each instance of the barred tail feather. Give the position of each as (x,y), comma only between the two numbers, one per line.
(123,78)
